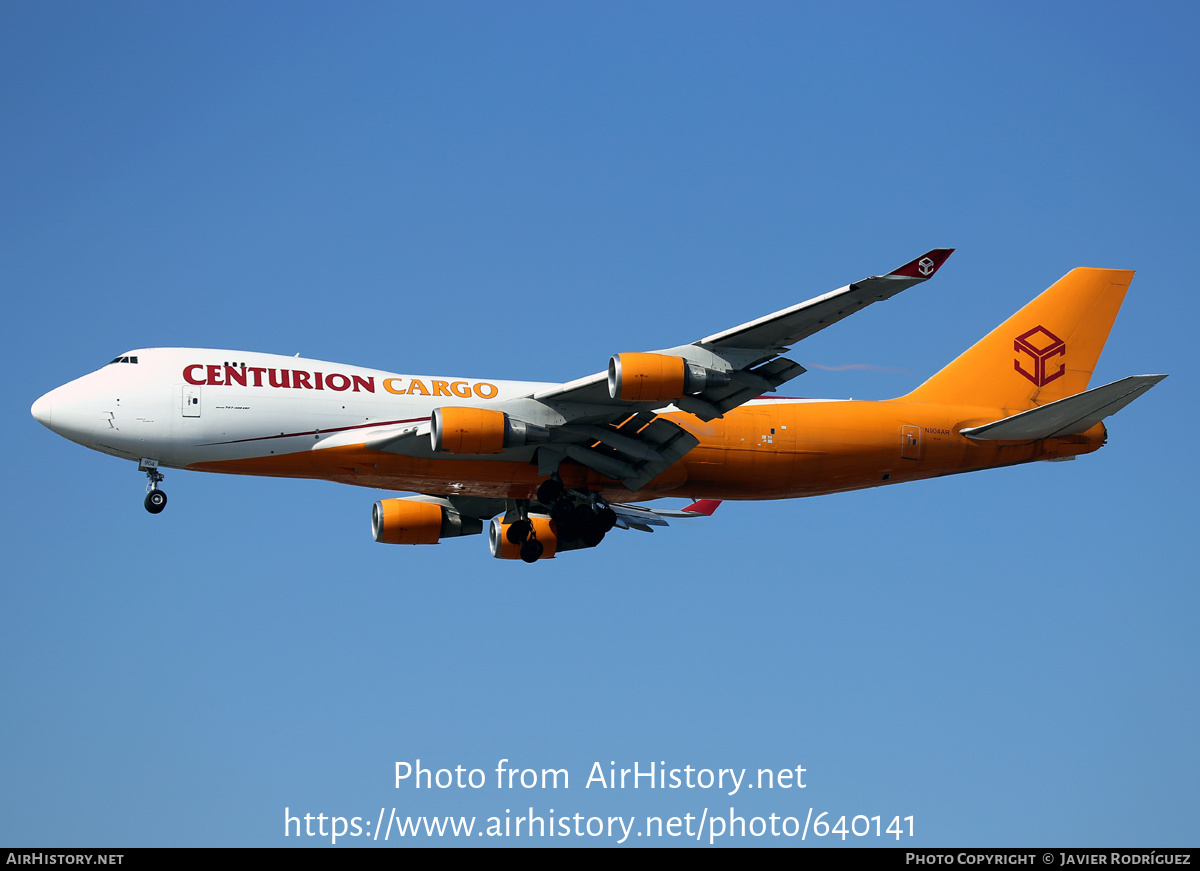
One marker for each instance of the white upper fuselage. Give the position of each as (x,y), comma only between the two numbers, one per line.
(183,406)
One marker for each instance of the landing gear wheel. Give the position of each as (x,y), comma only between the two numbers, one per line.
(531,550)
(607,518)
(156,501)
(519,531)
(574,521)
(592,535)
(567,522)
(589,525)
(582,517)
(549,491)
(561,510)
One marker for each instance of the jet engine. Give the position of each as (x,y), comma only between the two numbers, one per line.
(658,377)
(408,521)
(465,430)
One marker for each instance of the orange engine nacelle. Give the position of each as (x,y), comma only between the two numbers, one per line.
(415,521)
(468,430)
(658,377)
(465,430)
(638,377)
(402,521)
(543,527)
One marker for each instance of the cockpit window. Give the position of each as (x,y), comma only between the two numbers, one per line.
(123,360)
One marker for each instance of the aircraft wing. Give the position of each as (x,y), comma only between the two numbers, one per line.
(603,423)
(750,353)
(610,422)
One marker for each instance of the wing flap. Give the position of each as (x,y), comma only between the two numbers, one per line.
(639,450)
(679,443)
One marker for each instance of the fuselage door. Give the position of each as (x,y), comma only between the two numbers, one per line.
(910,444)
(191,400)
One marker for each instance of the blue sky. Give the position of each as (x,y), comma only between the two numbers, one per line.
(519,191)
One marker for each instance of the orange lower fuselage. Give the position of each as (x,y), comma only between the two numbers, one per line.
(775,449)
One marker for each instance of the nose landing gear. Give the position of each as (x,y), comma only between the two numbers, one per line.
(156,500)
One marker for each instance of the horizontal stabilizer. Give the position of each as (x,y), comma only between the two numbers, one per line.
(643,518)
(1069,416)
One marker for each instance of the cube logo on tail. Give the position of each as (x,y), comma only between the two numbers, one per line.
(1041,345)
(926,266)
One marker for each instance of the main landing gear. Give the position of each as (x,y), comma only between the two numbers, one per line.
(581,520)
(156,500)
(587,521)
(521,532)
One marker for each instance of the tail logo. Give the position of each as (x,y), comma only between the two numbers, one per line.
(925,266)
(1041,345)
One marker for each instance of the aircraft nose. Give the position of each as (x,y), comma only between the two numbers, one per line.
(43,409)
(74,410)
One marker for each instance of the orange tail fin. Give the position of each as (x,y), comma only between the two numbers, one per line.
(1043,353)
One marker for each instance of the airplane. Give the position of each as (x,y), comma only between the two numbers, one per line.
(550,468)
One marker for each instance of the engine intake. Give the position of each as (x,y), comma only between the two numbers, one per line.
(658,377)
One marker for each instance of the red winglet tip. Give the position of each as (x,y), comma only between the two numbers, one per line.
(925,265)
(703,506)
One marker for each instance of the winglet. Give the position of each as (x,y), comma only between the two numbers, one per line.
(703,506)
(925,265)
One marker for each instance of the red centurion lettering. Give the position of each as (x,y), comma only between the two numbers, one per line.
(252,376)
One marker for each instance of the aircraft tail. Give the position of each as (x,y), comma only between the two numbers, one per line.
(1043,353)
